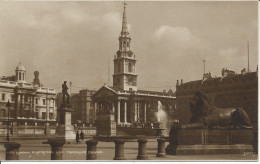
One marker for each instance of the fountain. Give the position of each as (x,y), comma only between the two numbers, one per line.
(161,118)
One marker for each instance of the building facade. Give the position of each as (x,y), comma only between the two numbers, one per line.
(123,104)
(31,104)
(229,90)
(83,107)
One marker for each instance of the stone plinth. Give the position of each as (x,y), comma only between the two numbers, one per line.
(56,148)
(119,150)
(12,150)
(142,150)
(91,149)
(106,125)
(65,130)
(211,141)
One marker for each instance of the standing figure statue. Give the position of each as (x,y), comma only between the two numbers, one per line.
(65,92)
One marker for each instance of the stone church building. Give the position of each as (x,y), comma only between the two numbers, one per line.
(123,108)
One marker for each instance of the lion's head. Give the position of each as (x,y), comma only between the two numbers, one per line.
(200,107)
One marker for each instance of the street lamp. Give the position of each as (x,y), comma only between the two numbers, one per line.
(8,105)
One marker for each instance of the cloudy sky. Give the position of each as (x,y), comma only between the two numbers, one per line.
(75,41)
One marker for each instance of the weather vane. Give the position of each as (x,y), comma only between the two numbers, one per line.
(124,4)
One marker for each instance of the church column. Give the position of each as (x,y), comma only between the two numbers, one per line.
(113,106)
(118,111)
(135,111)
(144,111)
(125,112)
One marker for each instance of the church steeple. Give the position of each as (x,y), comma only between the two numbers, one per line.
(124,22)
(125,76)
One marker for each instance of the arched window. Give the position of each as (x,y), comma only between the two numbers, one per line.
(127,44)
(20,75)
(123,44)
(23,76)
(130,67)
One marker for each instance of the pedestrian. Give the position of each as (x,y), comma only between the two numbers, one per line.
(77,137)
(81,135)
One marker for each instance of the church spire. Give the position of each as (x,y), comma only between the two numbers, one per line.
(125,76)
(124,22)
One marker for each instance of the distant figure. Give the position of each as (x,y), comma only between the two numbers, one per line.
(65,92)
(81,135)
(77,137)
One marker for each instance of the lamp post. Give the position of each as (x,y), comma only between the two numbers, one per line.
(8,105)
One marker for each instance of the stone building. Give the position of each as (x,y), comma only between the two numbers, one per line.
(123,105)
(31,104)
(229,90)
(83,107)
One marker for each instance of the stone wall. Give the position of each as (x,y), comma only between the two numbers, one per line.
(27,130)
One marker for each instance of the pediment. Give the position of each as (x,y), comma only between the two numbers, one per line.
(104,92)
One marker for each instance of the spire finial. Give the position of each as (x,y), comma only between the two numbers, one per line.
(124,22)
(124,4)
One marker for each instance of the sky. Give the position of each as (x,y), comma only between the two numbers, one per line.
(77,41)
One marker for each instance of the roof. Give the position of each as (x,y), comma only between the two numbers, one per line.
(119,91)
(20,67)
(215,80)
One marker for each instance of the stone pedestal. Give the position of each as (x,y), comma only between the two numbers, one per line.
(211,141)
(106,125)
(119,150)
(56,148)
(65,130)
(91,149)
(161,148)
(142,149)
(12,150)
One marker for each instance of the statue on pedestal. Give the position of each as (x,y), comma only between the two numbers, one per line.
(205,114)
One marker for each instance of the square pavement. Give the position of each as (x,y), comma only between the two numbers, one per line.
(35,150)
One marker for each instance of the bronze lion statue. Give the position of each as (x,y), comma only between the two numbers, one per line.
(205,114)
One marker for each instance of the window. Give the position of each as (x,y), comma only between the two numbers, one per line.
(36,101)
(51,116)
(43,115)
(23,76)
(36,115)
(127,44)
(130,67)
(26,98)
(20,75)
(118,67)
(3,97)
(43,101)
(12,97)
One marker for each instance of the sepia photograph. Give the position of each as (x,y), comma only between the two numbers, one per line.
(129,81)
